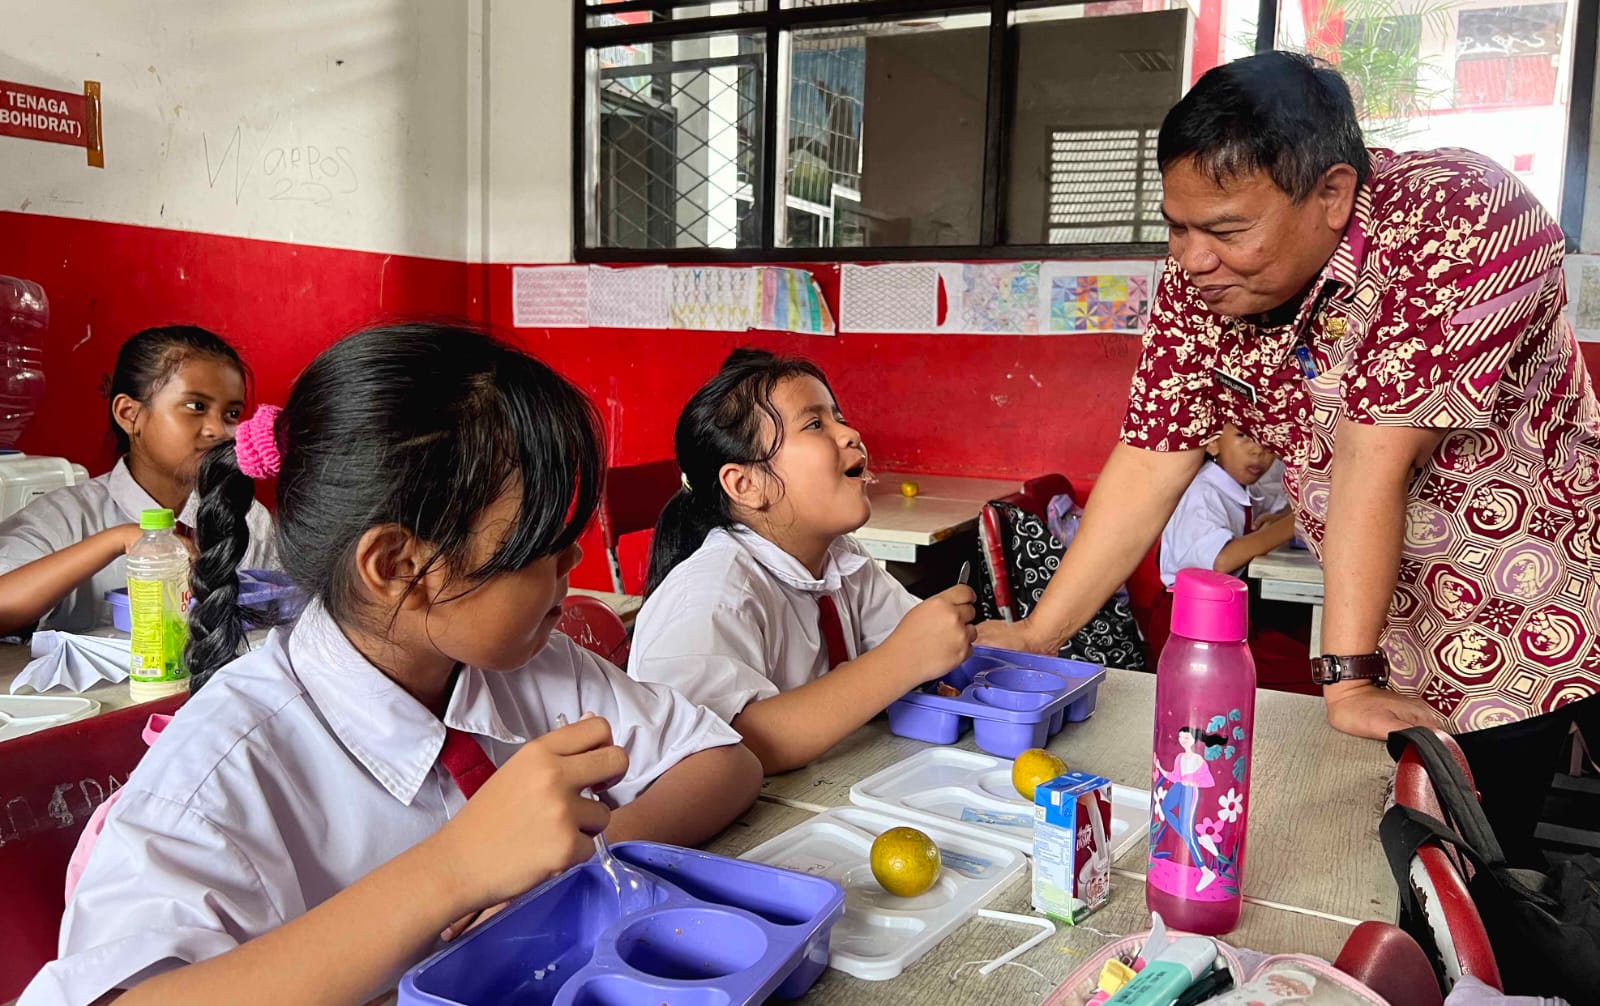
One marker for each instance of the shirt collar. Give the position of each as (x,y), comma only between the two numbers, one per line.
(390,733)
(1214,474)
(840,562)
(132,500)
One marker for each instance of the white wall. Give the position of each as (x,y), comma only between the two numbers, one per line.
(323,122)
(527,181)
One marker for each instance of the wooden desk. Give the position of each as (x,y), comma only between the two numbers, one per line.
(944,506)
(1292,574)
(1316,794)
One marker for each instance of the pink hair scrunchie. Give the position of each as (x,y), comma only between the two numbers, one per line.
(255,444)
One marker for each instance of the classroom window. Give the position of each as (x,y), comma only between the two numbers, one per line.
(1451,73)
(834,129)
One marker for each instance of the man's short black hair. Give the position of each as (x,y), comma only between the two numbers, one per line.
(1278,112)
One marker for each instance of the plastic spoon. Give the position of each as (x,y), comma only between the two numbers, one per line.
(635,891)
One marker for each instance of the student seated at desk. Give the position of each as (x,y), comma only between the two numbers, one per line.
(1216,526)
(759,605)
(1212,528)
(175,393)
(312,819)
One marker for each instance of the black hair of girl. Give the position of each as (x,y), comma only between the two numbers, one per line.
(149,359)
(1204,739)
(423,426)
(722,424)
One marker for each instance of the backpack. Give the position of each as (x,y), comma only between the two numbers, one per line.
(1544,927)
(1111,638)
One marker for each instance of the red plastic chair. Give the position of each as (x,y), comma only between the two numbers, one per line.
(591,623)
(1385,959)
(1440,877)
(634,498)
(50,782)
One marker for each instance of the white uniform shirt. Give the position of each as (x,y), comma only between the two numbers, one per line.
(66,516)
(1267,496)
(297,770)
(1210,514)
(738,620)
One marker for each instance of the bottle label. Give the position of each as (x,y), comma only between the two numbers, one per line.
(1198,798)
(158,612)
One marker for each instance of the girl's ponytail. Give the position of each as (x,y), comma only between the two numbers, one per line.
(682,528)
(216,622)
(227,488)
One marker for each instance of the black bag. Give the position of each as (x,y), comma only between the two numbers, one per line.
(1111,638)
(1544,927)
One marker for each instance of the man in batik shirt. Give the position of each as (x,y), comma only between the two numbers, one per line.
(1391,326)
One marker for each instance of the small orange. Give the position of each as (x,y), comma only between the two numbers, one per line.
(908,489)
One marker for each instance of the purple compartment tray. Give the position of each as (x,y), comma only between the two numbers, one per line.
(258,588)
(723,933)
(1015,701)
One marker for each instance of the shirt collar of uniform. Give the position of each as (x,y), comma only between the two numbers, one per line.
(132,500)
(840,563)
(390,733)
(1214,474)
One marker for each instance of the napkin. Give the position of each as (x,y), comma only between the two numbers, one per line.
(73,662)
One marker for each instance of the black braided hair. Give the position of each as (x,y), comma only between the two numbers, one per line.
(421,426)
(216,621)
(721,425)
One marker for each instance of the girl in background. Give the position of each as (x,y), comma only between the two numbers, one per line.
(175,393)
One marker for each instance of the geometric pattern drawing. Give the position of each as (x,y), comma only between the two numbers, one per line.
(713,299)
(788,300)
(1099,304)
(1000,298)
(1440,308)
(889,298)
(550,296)
(630,298)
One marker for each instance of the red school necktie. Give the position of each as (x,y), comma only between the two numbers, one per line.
(1249,518)
(464,759)
(832,631)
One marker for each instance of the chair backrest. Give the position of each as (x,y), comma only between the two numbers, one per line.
(50,783)
(592,624)
(1440,877)
(1038,492)
(633,500)
(1384,958)
(991,537)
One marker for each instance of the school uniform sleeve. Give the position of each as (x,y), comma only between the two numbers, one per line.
(882,601)
(1474,270)
(1171,400)
(46,525)
(1197,533)
(656,725)
(164,888)
(713,654)
(263,550)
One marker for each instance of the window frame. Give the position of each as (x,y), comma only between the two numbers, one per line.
(774,20)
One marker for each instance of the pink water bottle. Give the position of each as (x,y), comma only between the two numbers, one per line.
(1200,784)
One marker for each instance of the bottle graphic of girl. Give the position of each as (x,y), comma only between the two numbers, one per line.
(1188,777)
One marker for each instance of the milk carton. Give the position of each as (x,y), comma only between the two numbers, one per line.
(1071,846)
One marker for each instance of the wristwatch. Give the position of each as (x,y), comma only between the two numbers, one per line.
(1330,670)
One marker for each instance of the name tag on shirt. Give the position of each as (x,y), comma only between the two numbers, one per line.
(1234,384)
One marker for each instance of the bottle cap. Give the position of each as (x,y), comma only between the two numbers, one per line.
(1210,606)
(157,520)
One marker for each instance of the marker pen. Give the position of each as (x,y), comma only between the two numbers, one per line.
(1168,974)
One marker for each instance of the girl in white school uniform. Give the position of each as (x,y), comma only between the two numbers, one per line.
(305,828)
(175,393)
(1216,524)
(759,605)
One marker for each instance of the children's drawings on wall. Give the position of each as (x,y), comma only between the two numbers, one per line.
(630,298)
(550,296)
(889,298)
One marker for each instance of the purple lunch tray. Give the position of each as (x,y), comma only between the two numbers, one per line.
(258,589)
(1015,701)
(723,932)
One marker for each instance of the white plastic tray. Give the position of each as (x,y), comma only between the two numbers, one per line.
(26,714)
(881,934)
(970,792)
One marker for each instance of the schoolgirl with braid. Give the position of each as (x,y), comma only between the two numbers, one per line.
(327,807)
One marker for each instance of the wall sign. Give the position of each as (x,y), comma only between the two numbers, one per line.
(38,113)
